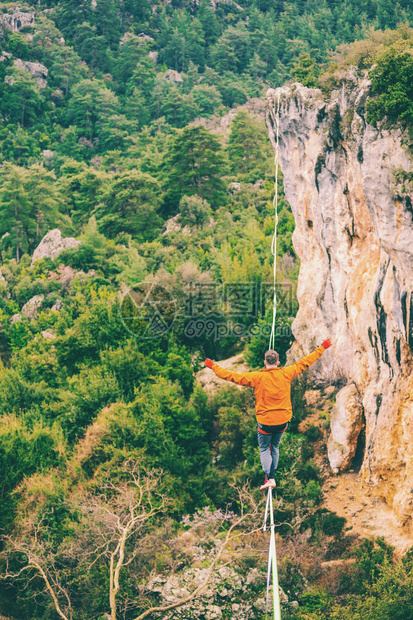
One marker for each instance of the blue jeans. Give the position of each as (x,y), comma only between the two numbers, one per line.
(269,447)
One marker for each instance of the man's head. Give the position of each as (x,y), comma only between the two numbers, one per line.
(271,358)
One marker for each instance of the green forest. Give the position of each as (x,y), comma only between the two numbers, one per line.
(137,128)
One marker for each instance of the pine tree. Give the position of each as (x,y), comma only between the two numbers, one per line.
(28,204)
(22,100)
(194,164)
(248,147)
(129,205)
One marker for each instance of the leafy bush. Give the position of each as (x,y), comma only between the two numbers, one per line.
(313,433)
(24,451)
(88,392)
(332,524)
(392,83)
(388,598)
(194,210)
(170,429)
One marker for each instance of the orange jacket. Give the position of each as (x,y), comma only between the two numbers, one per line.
(272,387)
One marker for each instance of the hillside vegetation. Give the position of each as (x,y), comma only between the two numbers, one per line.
(136,127)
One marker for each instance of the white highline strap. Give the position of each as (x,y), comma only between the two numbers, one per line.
(264,528)
(272,562)
(274,238)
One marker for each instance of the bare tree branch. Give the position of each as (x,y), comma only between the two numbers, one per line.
(34,563)
(111,520)
(202,586)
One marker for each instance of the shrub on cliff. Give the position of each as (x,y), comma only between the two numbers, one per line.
(392,83)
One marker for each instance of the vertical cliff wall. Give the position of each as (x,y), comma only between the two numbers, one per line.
(346,183)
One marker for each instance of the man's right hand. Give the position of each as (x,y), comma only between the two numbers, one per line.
(208,363)
(327,343)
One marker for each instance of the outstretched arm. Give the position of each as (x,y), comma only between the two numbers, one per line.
(308,360)
(248,379)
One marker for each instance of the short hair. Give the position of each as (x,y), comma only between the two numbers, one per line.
(272,357)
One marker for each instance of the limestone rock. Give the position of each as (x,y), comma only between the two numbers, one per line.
(283,596)
(253,577)
(174,225)
(146,37)
(16,318)
(354,239)
(346,423)
(64,274)
(210,382)
(48,155)
(312,398)
(3,280)
(173,76)
(57,306)
(260,605)
(31,309)
(17,20)
(213,612)
(48,334)
(153,56)
(172,590)
(230,2)
(53,244)
(215,600)
(37,70)
(234,187)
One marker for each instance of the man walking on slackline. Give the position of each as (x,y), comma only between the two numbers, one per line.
(273,407)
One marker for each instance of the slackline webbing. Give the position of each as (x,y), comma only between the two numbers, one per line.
(274,238)
(272,574)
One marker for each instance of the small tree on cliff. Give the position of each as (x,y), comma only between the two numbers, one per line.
(306,70)
(392,87)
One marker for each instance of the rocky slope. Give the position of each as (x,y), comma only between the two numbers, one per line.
(354,237)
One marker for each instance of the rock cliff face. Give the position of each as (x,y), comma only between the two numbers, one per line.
(347,184)
(17,20)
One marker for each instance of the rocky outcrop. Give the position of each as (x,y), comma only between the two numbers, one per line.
(154,56)
(36,69)
(4,56)
(173,76)
(347,422)
(52,245)
(210,382)
(217,599)
(354,238)
(232,3)
(48,334)
(17,20)
(31,309)
(57,306)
